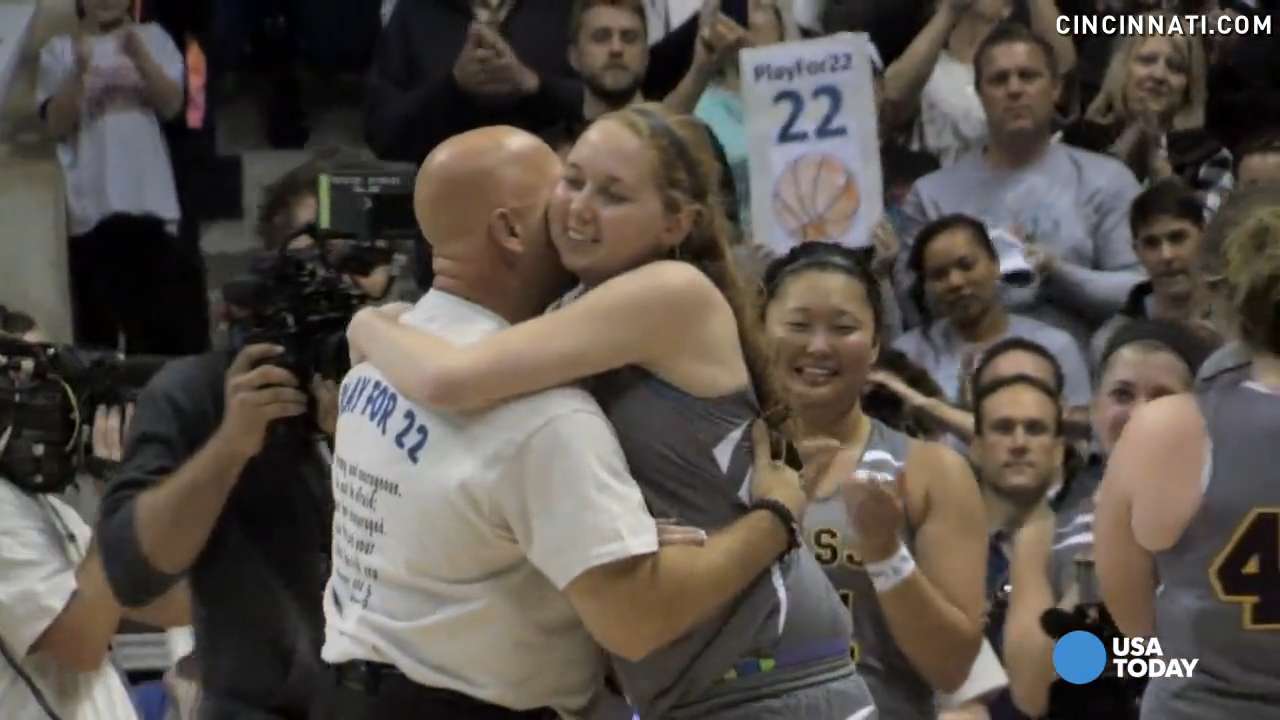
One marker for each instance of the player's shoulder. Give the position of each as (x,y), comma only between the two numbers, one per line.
(671,285)
(937,463)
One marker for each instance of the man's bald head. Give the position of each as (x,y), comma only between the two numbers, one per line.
(470,176)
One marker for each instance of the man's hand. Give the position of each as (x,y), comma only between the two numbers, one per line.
(469,68)
(109,428)
(487,67)
(507,71)
(255,395)
(719,36)
(326,394)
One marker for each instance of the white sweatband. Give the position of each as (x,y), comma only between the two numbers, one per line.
(890,572)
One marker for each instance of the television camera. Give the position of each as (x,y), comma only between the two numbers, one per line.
(302,298)
(48,395)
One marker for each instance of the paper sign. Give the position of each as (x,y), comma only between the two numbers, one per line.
(814,155)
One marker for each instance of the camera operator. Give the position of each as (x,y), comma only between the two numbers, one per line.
(225,481)
(288,218)
(57,613)
(205,491)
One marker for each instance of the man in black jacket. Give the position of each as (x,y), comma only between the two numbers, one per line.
(443,67)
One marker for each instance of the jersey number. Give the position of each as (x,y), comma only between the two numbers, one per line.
(825,130)
(1247,571)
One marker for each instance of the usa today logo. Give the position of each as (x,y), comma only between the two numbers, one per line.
(1080,657)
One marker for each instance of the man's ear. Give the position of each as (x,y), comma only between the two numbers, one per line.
(505,232)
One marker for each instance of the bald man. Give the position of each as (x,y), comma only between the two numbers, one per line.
(482,560)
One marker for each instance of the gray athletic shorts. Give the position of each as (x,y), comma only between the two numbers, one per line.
(845,699)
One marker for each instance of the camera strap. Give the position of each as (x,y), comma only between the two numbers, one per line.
(26,679)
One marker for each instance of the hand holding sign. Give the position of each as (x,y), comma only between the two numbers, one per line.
(718,36)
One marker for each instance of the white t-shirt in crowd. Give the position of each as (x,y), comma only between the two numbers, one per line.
(952,120)
(38,562)
(117,160)
(454,534)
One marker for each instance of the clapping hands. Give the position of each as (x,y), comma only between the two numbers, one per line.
(488,67)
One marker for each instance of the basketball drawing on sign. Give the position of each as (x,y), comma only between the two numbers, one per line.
(815,198)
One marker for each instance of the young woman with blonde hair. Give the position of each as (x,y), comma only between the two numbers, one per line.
(1150,114)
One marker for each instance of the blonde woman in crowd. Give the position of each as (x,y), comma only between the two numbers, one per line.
(1150,114)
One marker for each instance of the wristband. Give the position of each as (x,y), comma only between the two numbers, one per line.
(785,516)
(889,573)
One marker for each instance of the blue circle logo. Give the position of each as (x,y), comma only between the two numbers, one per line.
(1079,657)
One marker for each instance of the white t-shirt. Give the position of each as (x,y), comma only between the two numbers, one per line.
(952,120)
(117,160)
(37,577)
(454,534)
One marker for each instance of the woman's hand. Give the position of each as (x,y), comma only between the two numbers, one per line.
(889,380)
(887,246)
(824,460)
(363,316)
(877,510)
(1041,259)
(671,532)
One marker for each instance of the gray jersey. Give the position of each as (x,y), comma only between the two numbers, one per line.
(692,459)
(1228,364)
(898,689)
(1220,594)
